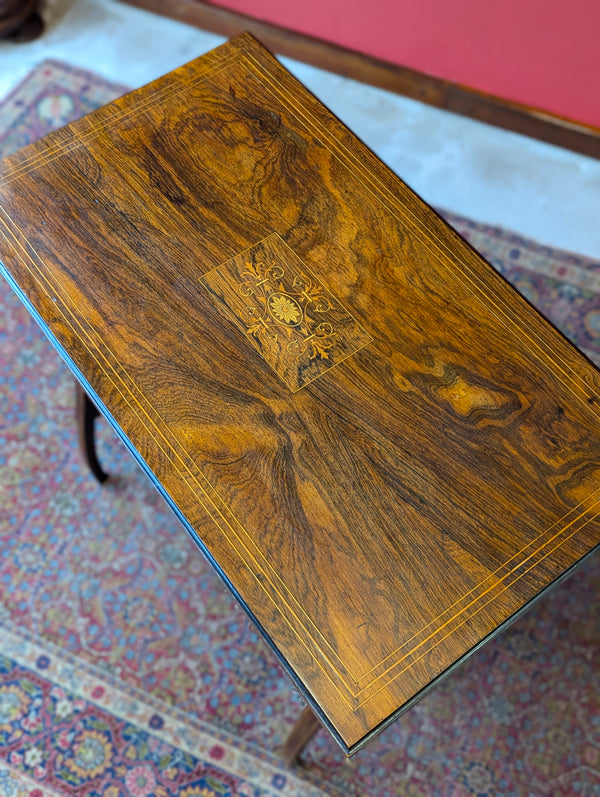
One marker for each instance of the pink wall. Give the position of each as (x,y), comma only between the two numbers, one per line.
(543,53)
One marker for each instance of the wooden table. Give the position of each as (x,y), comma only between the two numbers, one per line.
(385,452)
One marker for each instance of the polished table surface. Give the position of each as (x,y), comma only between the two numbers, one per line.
(384,450)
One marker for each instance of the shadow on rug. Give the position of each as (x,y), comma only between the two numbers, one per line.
(127,669)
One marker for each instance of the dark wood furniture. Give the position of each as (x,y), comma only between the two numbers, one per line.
(383,449)
(20,20)
(86,413)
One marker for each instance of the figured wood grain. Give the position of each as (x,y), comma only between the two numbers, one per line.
(437,471)
(493,110)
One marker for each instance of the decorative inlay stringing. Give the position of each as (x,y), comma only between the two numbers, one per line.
(285,312)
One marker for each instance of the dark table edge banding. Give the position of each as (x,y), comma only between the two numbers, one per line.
(198,541)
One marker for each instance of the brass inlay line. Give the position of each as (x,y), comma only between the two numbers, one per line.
(503,581)
(304,118)
(377,189)
(41,159)
(333,668)
(441,248)
(465,620)
(72,320)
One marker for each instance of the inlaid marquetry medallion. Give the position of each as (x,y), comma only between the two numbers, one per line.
(285,311)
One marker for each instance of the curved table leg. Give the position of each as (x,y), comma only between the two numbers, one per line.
(303,731)
(86,412)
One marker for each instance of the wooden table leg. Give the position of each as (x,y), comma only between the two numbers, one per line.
(86,412)
(303,731)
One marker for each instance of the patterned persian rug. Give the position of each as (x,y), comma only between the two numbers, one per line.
(126,670)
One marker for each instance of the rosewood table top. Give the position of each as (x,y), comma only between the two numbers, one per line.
(385,451)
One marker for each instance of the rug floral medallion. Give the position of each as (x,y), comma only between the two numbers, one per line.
(127,670)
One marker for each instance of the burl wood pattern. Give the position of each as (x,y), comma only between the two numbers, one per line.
(387,500)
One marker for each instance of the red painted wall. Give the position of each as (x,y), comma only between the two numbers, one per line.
(542,53)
